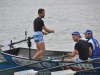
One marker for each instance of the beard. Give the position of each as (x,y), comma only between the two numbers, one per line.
(87,37)
(75,40)
(42,16)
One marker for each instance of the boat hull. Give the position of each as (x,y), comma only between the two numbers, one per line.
(15,60)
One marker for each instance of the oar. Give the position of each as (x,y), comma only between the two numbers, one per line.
(54,58)
(19,41)
(23,39)
(69,64)
(32,64)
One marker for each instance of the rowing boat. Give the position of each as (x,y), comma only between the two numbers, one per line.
(20,56)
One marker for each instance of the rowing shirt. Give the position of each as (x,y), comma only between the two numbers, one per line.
(83,49)
(95,47)
(38,24)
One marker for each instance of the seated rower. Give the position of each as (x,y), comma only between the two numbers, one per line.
(81,49)
(94,44)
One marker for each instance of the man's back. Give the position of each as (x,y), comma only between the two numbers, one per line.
(95,48)
(38,23)
(83,49)
(93,43)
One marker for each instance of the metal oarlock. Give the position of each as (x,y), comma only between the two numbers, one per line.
(26,36)
(11,46)
(29,45)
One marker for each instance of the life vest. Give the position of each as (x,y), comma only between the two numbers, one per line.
(96,47)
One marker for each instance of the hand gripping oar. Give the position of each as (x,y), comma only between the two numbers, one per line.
(89,60)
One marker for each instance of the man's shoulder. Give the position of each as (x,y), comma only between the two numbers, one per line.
(90,40)
(37,18)
(82,41)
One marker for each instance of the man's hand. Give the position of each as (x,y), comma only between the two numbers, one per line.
(45,33)
(52,31)
(69,54)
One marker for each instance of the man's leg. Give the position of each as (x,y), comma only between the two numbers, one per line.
(38,49)
(41,50)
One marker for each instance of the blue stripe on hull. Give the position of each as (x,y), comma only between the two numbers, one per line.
(39,66)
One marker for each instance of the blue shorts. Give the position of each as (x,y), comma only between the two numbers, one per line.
(78,60)
(38,37)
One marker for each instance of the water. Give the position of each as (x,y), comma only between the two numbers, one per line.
(64,16)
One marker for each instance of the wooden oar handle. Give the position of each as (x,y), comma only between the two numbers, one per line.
(45,33)
(64,57)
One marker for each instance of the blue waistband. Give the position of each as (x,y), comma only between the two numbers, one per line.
(38,33)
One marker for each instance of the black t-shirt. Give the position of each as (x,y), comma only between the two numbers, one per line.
(83,49)
(38,23)
(90,45)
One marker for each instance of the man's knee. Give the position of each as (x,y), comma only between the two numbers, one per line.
(42,51)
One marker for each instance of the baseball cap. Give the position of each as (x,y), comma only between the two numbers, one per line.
(88,32)
(76,33)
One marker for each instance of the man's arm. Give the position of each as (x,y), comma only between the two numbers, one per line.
(99,45)
(73,53)
(47,30)
(90,51)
